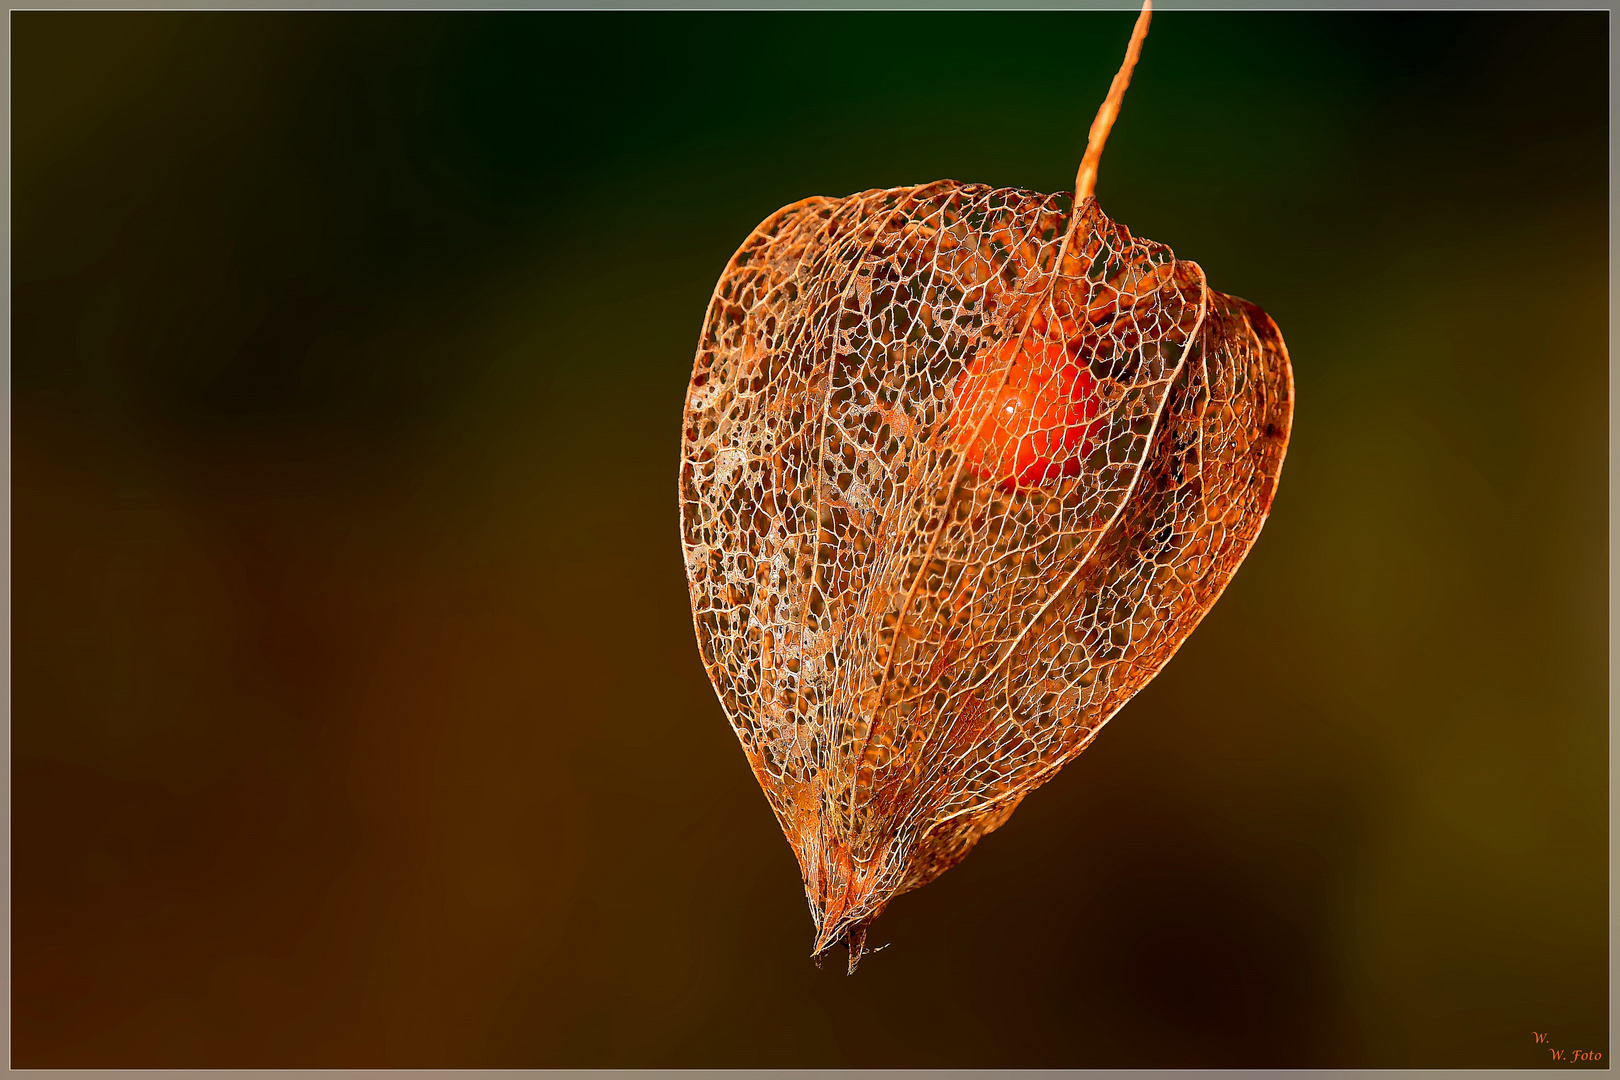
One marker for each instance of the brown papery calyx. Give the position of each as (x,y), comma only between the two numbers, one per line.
(906,637)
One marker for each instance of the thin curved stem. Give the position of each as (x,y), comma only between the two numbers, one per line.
(1085,180)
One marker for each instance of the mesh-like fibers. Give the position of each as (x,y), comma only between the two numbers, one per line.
(907,633)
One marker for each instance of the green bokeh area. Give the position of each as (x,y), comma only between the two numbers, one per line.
(358,719)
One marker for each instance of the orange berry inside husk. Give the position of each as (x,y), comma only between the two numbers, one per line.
(1025,411)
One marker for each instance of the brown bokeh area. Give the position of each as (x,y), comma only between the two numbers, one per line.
(357,715)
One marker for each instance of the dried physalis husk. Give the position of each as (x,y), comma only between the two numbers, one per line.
(961,470)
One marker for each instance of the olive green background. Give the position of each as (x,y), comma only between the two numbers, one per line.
(358,718)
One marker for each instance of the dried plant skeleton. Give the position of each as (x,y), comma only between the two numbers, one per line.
(961,469)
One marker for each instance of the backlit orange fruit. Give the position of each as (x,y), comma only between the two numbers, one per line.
(1025,411)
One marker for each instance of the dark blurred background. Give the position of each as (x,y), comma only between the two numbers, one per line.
(358,719)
